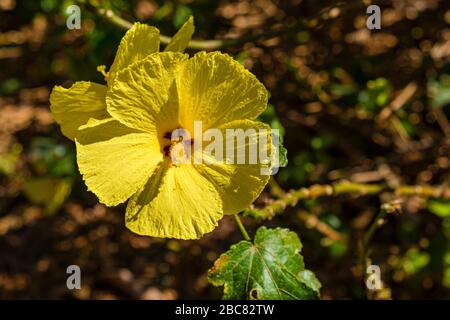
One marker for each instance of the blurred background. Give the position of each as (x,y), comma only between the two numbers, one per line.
(354,104)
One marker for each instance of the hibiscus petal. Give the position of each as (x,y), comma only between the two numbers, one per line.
(115,160)
(176,203)
(216,89)
(239,184)
(140,41)
(139,97)
(73,107)
(181,39)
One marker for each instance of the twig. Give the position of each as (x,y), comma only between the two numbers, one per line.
(291,198)
(388,113)
(109,15)
(313,221)
(363,245)
(328,13)
(442,120)
(386,208)
(275,188)
(399,101)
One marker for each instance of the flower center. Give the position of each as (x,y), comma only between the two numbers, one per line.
(177,145)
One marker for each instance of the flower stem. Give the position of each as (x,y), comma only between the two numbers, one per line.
(242,228)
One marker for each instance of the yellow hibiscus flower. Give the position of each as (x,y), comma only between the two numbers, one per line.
(122,133)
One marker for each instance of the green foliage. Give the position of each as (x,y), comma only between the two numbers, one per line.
(49,5)
(283,160)
(439,91)
(165,10)
(439,207)
(269,268)
(54,164)
(49,192)
(270,117)
(182,13)
(376,94)
(10,86)
(446,275)
(337,249)
(298,169)
(8,161)
(413,261)
(50,157)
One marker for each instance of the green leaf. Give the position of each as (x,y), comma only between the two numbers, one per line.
(181,39)
(48,191)
(283,160)
(270,268)
(182,12)
(439,207)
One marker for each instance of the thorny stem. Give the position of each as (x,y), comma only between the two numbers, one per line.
(291,198)
(328,13)
(242,228)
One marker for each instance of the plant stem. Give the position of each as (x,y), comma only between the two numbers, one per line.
(376,223)
(328,13)
(109,15)
(363,245)
(291,198)
(242,228)
(314,221)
